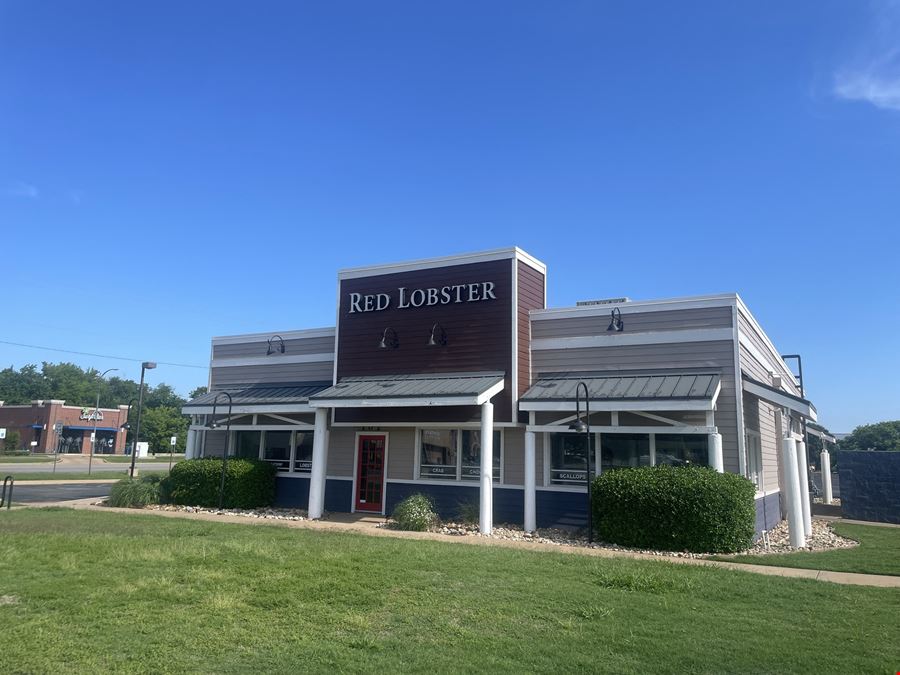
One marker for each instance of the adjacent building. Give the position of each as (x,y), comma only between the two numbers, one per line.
(52,426)
(452,377)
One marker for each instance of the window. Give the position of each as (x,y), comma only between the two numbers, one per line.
(303,451)
(754,459)
(618,450)
(277,449)
(455,454)
(568,461)
(246,444)
(682,449)
(471,455)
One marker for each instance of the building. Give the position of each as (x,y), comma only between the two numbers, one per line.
(54,426)
(451,377)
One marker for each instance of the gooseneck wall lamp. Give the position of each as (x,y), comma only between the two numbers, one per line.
(389,339)
(273,348)
(214,425)
(580,426)
(437,339)
(615,320)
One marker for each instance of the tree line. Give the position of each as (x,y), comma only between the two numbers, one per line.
(161,418)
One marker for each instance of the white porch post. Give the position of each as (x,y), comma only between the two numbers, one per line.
(530,486)
(792,496)
(319,460)
(803,471)
(825,461)
(189,445)
(715,453)
(486,524)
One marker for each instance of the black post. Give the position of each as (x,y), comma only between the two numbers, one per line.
(146,365)
(212,425)
(578,425)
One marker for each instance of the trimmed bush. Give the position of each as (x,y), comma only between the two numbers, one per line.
(675,509)
(248,483)
(415,513)
(133,494)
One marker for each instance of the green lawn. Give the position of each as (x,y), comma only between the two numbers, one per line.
(878,553)
(29,459)
(126,459)
(97,592)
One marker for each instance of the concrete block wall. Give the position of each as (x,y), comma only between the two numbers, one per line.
(869,485)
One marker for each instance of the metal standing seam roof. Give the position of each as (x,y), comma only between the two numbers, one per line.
(411,386)
(262,395)
(686,386)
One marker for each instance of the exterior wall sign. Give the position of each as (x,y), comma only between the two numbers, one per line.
(88,414)
(423,297)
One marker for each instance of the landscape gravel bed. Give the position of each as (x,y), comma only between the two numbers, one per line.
(266,513)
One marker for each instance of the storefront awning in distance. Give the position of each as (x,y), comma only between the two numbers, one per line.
(410,390)
(779,397)
(683,391)
(281,398)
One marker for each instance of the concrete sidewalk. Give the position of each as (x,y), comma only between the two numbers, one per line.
(368,525)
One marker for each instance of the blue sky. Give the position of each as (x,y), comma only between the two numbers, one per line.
(171,171)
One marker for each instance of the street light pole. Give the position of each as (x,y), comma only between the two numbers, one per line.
(96,415)
(212,425)
(585,426)
(146,365)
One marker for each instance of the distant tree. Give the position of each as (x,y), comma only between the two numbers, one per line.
(162,395)
(69,382)
(199,391)
(11,442)
(159,424)
(883,436)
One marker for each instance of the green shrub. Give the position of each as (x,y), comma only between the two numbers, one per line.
(248,483)
(133,494)
(469,512)
(415,513)
(675,509)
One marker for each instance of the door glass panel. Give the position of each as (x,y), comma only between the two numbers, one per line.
(370,477)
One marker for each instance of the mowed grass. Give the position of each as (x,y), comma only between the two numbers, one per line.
(97,592)
(878,553)
(30,459)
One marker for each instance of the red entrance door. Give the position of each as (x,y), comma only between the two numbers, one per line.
(370,474)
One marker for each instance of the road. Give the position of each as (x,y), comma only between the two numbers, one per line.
(77,466)
(23,493)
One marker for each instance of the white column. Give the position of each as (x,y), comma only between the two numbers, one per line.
(803,471)
(530,486)
(715,452)
(792,496)
(825,461)
(319,461)
(486,520)
(189,445)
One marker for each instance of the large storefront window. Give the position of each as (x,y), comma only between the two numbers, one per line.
(303,448)
(277,449)
(568,459)
(620,450)
(471,455)
(246,444)
(455,454)
(438,454)
(682,449)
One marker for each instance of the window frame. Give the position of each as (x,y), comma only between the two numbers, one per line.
(232,447)
(458,479)
(753,442)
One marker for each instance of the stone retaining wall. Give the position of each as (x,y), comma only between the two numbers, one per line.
(870,485)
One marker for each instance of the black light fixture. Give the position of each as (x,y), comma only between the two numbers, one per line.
(213,424)
(615,320)
(271,349)
(579,425)
(437,339)
(389,341)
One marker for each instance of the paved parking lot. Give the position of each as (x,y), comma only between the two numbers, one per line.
(23,493)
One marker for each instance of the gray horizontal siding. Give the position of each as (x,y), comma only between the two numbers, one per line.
(751,364)
(718,355)
(401,453)
(227,376)
(513,456)
(341,451)
(639,322)
(316,345)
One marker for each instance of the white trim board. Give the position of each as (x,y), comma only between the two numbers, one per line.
(411,402)
(265,337)
(780,400)
(249,409)
(682,429)
(272,360)
(613,405)
(514,253)
(645,338)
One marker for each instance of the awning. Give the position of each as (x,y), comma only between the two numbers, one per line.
(259,399)
(779,397)
(683,391)
(387,391)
